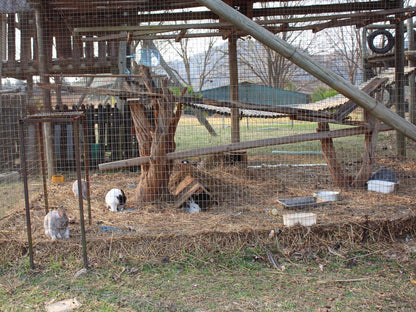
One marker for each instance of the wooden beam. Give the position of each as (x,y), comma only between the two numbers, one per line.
(399,78)
(233,72)
(306,62)
(152,32)
(118,17)
(412,76)
(241,146)
(98,91)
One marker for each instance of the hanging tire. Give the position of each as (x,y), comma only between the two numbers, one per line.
(386,48)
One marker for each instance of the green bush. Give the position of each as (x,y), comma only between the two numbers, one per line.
(322,93)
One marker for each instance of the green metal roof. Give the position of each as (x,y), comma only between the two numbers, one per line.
(258,94)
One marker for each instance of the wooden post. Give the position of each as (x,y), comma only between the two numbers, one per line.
(3,38)
(305,62)
(235,112)
(399,84)
(63,40)
(412,76)
(370,142)
(2,46)
(43,57)
(11,38)
(330,155)
(25,51)
(26,192)
(102,52)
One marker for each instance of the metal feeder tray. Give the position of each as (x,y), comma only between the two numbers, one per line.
(300,202)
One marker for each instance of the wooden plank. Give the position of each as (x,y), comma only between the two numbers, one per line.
(240,146)
(350,105)
(183,184)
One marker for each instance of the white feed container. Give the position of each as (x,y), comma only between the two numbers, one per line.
(380,186)
(327,195)
(303,218)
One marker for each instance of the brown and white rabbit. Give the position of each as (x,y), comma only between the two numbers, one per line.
(115,199)
(56,224)
(83,187)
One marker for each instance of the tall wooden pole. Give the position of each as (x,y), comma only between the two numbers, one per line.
(233,65)
(412,76)
(43,57)
(11,37)
(2,46)
(399,78)
(305,62)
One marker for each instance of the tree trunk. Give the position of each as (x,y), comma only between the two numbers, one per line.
(155,124)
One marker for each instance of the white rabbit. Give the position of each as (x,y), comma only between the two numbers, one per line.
(83,187)
(192,206)
(115,199)
(56,224)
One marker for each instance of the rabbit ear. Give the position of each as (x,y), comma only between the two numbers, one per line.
(61,212)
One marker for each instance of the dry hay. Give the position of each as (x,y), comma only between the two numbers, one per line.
(241,219)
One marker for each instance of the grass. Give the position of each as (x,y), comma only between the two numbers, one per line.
(242,281)
(191,135)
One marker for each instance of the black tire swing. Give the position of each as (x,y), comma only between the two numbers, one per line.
(385,48)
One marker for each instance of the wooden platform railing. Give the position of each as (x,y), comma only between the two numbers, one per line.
(71,55)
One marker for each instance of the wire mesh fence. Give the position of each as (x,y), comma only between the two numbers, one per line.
(186,111)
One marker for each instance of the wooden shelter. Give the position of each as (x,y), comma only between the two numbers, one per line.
(80,37)
(69,28)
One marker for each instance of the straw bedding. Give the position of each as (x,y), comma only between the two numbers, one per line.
(242,217)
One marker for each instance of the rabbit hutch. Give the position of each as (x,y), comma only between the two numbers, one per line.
(225,123)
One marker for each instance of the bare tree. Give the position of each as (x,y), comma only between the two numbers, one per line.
(345,43)
(269,67)
(197,68)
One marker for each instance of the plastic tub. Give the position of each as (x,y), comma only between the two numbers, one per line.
(303,218)
(380,186)
(327,195)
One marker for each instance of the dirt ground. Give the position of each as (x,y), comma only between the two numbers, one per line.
(245,200)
